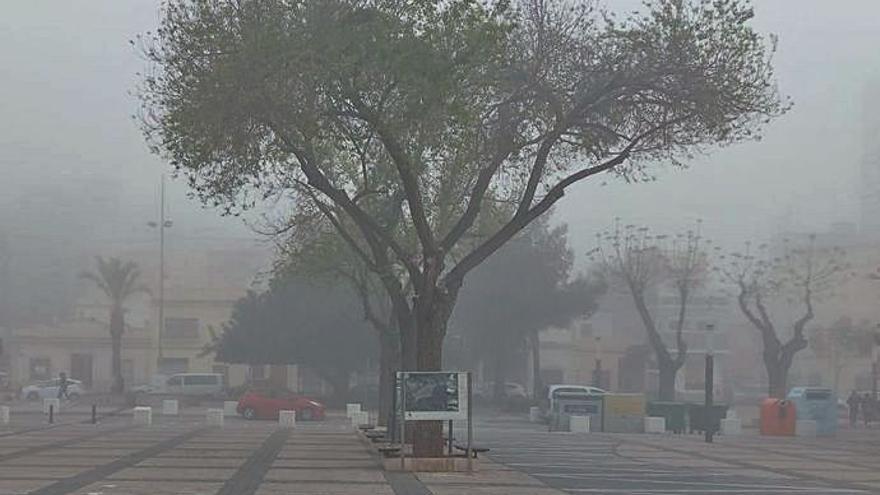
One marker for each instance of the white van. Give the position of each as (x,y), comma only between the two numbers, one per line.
(195,384)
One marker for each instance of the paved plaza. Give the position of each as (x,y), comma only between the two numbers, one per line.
(183,455)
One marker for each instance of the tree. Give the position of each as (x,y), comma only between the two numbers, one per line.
(319,252)
(118,280)
(524,288)
(444,106)
(641,262)
(300,322)
(798,275)
(841,341)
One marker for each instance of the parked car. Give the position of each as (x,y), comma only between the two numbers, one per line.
(266,404)
(49,389)
(195,384)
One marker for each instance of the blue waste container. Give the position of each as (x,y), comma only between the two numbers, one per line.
(818,404)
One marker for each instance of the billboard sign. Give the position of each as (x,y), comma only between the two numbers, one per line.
(434,395)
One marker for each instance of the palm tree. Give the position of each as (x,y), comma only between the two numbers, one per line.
(119,281)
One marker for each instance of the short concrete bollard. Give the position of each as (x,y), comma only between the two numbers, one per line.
(51,402)
(534,414)
(806,428)
(351,409)
(579,424)
(142,415)
(360,418)
(230,408)
(215,417)
(287,419)
(169,407)
(731,426)
(654,424)
(4,415)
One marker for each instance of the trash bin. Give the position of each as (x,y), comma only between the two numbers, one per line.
(675,414)
(778,417)
(701,419)
(817,404)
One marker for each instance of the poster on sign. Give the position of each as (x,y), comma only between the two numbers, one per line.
(434,395)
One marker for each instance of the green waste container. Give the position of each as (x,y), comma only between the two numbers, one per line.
(674,412)
(699,420)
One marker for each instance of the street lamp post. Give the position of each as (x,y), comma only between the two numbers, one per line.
(710,384)
(161,226)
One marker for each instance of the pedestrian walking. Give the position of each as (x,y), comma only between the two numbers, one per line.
(852,403)
(868,408)
(63,383)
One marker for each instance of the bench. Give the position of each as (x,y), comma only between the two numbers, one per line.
(474,449)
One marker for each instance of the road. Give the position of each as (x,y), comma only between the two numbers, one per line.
(625,464)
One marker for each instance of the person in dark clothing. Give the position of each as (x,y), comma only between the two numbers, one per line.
(63,383)
(852,403)
(867,407)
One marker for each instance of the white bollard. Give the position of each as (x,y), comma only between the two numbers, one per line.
(655,424)
(351,409)
(215,417)
(169,407)
(56,403)
(142,415)
(579,424)
(360,418)
(287,419)
(534,414)
(230,408)
(806,428)
(731,426)
(4,415)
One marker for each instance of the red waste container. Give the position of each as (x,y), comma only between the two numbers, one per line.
(778,417)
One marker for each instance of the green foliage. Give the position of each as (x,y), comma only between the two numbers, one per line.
(117,279)
(525,288)
(299,322)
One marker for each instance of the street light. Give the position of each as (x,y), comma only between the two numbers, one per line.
(710,383)
(161,225)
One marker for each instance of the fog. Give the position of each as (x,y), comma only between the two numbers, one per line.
(76,172)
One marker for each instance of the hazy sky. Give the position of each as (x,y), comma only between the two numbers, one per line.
(66,70)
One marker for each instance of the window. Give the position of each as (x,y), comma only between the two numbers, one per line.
(41,368)
(181,328)
(200,380)
(175,380)
(257,372)
(128,371)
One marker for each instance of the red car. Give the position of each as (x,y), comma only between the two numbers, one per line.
(266,405)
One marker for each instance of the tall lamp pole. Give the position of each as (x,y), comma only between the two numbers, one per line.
(161,225)
(710,384)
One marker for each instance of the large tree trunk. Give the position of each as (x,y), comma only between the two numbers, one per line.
(432,310)
(537,382)
(117,325)
(668,370)
(777,378)
(389,363)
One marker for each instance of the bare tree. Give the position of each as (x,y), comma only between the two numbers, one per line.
(641,262)
(798,275)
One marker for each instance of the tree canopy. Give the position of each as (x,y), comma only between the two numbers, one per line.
(300,322)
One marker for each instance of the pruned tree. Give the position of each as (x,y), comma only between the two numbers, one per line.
(799,275)
(641,262)
(118,280)
(445,106)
